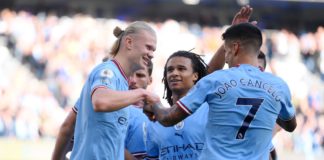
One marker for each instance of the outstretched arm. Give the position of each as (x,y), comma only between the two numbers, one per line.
(103,101)
(166,116)
(218,60)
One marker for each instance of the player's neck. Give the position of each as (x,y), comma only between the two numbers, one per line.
(246,60)
(176,96)
(124,64)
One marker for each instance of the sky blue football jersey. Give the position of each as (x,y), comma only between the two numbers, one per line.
(134,141)
(101,135)
(184,140)
(244,103)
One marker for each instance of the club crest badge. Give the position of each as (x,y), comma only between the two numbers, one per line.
(179,125)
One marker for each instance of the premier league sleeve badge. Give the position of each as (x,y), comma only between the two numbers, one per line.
(106,75)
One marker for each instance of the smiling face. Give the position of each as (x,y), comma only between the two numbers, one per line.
(142,48)
(180,75)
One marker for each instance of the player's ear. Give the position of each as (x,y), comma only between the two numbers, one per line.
(195,76)
(150,80)
(236,47)
(128,42)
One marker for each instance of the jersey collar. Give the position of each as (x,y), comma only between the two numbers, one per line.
(120,69)
(261,68)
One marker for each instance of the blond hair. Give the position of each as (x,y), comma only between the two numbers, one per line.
(133,28)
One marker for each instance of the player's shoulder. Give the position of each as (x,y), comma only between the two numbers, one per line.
(105,65)
(273,78)
(201,112)
(214,75)
(204,107)
(218,76)
(106,69)
(218,72)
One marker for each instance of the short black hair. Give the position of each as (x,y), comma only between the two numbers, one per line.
(197,63)
(247,33)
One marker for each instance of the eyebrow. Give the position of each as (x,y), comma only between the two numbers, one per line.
(178,65)
(140,73)
(151,47)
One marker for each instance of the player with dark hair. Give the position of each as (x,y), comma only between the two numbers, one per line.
(198,67)
(134,142)
(244,102)
(185,139)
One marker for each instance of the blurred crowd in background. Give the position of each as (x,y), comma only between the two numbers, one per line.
(45,59)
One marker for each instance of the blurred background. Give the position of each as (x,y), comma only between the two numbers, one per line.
(48,47)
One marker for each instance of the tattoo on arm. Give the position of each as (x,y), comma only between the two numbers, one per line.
(169,116)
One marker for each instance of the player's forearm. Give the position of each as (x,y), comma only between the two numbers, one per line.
(218,60)
(167,116)
(162,115)
(65,134)
(106,100)
(62,141)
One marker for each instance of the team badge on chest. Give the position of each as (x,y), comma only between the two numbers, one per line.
(179,125)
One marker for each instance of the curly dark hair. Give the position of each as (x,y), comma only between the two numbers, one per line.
(198,65)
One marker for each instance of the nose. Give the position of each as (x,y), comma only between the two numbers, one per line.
(150,55)
(131,81)
(173,73)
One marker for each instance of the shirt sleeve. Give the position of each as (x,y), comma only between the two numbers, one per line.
(104,77)
(151,144)
(195,97)
(287,111)
(76,106)
(271,147)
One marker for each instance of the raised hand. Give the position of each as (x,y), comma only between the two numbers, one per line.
(139,104)
(147,110)
(150,100)
(243,16)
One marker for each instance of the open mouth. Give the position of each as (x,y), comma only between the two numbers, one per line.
(174,81)
(132,87)
(146,61)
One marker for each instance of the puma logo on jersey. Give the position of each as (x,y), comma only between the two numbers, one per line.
(178,134)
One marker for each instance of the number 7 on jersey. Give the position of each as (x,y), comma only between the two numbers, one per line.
(255,103)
